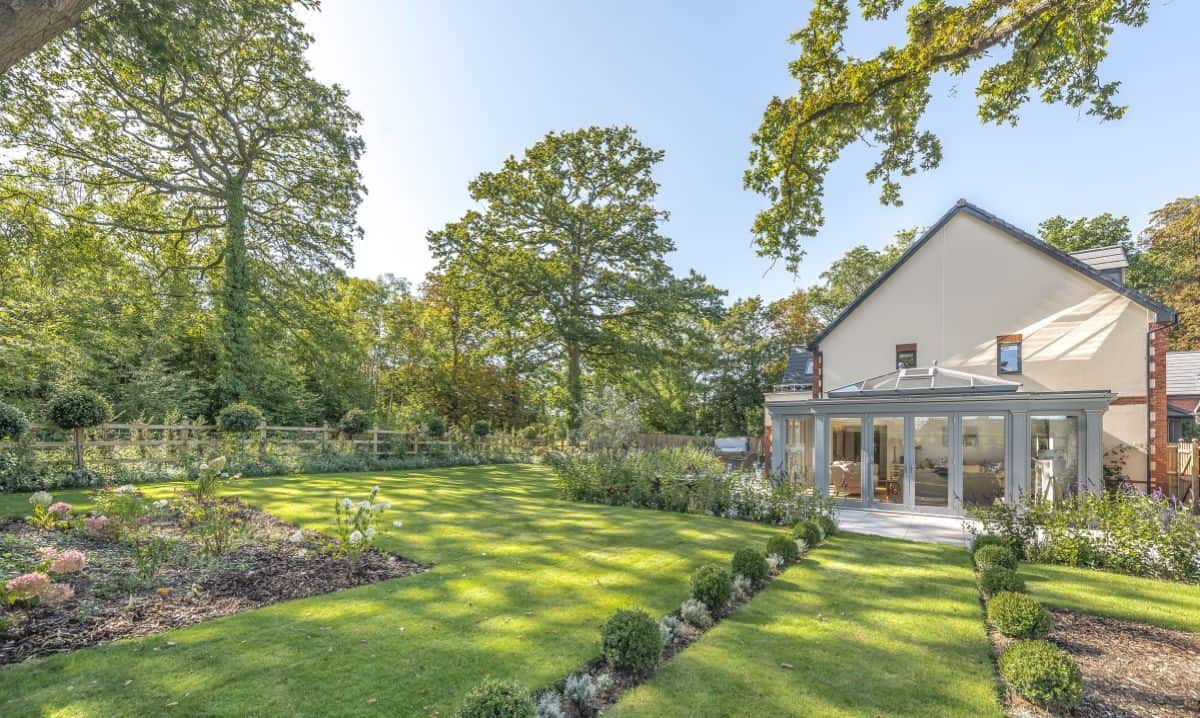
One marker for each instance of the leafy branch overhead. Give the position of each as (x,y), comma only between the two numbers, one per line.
(1049,47)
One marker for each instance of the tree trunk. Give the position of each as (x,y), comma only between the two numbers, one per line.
(237,350)
(574,393)
(27,26)
(78,448)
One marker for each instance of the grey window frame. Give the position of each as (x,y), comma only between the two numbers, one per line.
(1020,358)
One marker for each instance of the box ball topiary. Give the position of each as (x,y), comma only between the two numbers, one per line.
(355,422)
(827,524)
(78,408)
(13,423)
(481,428)
(436,427)
(989,556)
(982,540)
(783,546)
(995,579)
(711,585)
(239,418)
(1043,673)
(497,699)
(808,530)
(632,640)
(1017,615)
(751,563)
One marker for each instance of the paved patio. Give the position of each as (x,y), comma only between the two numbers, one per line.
(903,525)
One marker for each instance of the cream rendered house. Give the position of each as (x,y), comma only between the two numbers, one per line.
(984,365)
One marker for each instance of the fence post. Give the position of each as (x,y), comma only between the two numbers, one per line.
(375,442)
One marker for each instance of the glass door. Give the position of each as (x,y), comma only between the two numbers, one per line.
(931,462)
(887,461)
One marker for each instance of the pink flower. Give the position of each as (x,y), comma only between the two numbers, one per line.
(60,509)
(27,587)
(101,527)
(71,561)
(58,593)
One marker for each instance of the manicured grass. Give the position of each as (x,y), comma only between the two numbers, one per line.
(870,626)
(521,585)
(1129,598)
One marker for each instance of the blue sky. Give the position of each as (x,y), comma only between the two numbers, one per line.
(451,88)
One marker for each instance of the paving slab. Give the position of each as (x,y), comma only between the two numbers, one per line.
(926,528)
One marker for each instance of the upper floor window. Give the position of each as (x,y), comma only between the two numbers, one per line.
(906,356)
(1008,354)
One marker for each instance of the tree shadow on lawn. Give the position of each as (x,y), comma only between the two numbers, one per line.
(520,587)
(865,630)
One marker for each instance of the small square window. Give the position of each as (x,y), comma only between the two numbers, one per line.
(1008,358)
(906,358)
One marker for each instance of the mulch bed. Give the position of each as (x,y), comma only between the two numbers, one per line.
(267,566)
(1129,669)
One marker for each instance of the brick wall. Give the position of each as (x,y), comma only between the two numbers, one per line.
(1158,407)
(816,388)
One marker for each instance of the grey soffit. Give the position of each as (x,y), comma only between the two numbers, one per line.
(1183,373)
(1162,312)
(925,380)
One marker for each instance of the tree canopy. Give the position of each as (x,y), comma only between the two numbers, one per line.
(568,237)
(1049,48)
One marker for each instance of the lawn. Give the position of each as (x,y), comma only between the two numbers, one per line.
(1129,598)
(870,626)
(520,586)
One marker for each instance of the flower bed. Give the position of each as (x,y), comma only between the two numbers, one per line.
(81,581)
(1128,668)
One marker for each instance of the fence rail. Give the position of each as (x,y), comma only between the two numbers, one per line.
(170,443)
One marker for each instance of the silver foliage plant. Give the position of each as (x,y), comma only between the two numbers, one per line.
(581,690)
(742,586)
(550,706)
(695,613)
(671,628)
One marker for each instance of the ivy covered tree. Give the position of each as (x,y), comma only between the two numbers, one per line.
(1049,48)
(568,240)
(198,121)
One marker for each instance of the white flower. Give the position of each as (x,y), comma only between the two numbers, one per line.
(364,505)
(161,504)
(302,552)
(398,524)
(356,537)
(217,464)
(382,506)
(297,536)
(41,498)
(371,532)
(375,489)
(126,489)
(347,503)
(203,467)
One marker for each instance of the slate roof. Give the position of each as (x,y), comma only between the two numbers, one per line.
(799,368)
(1102,258)
(1183,373)
(1162,312)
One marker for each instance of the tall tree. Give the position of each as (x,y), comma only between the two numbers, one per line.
(569,232)
(26,26)
(850,275)
(1049,47)
(217,137)
(1105,230)
(1173,240)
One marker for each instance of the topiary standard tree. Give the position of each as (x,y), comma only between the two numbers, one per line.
(13,423)
(436,427)
(355,423)
(240,419)
(77,409)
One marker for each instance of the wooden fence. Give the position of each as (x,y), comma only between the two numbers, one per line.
(1183,470)
(175,443)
